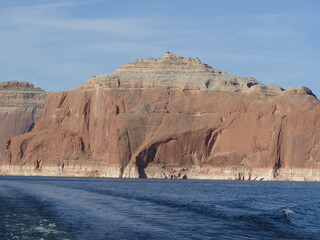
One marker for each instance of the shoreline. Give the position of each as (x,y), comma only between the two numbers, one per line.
(202,178)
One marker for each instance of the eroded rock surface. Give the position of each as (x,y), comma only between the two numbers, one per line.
(173,117)
(20,106)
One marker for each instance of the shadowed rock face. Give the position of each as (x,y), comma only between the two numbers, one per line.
(20,106)
(173,117)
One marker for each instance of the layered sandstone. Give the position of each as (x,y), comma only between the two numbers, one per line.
(20,106)
(173,117)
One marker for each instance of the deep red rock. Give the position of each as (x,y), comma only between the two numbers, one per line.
(173,118)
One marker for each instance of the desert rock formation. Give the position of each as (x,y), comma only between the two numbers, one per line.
(20,106)
(173,117)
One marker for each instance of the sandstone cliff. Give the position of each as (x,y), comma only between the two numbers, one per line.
(20,106)
(173,117)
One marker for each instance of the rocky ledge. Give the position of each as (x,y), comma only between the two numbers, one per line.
(20,106)
(185,73)
(173,117)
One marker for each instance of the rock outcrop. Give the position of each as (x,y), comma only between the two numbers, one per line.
(20,106)
(173,117)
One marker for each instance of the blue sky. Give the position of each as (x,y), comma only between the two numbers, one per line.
(58,45)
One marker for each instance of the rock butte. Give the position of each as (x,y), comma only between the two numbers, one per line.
(173,117)
(20,106)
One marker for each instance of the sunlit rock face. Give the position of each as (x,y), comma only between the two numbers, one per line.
(173,117)
(20,106)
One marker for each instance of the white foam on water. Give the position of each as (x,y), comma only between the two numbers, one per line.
(287,211)
(47,229)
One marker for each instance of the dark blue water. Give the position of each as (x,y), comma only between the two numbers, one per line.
(87,208)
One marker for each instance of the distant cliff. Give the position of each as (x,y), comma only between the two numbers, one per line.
(173,117)
(20,106)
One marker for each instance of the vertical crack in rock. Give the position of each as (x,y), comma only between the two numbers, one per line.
(22,148)
(38,165)
(8,144)
(278,160)
(129,146)
(117,111)
(82,146)
(126,156)
(86,113)
(30,127)
(124,107)
(208,83)
(210,140)
(63,97)
(86,118)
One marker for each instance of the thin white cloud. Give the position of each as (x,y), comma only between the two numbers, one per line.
(36,16)
(273,33)
(123,26)
(55,4)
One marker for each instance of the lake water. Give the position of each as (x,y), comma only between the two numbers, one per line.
(88,208)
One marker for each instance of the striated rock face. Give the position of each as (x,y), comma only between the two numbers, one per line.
(20,106)
(173,117)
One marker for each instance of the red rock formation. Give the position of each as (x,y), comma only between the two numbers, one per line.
(173,118)
(20,106)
